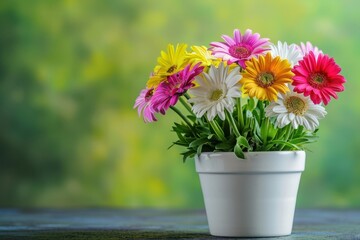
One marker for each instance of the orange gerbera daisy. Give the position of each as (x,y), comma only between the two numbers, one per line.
(265,77)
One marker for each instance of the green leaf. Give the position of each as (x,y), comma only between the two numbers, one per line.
(257,138)
(171,145)
(268,146)
(281,133)
(191,117)
(299,132)
(251,104)
(290,145)
(302,140)
(242,141)
(180,143)
(256,115)
(181,128)
(210,136)
(260,106)
(239,152)
(188,154)
(199,149)
(224,146)
(264,131)
(272,131)
(255,129)
(197,142)
(181,138)
(203,129)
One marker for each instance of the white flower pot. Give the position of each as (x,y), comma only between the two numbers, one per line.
(254,197)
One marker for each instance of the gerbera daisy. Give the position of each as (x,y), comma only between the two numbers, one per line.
(265,77)
(296,109)
(170,62)
(168,92)
(200,54)
(318,77)
(306,48)
(203,56)
(239,48)
(284,51)
(215,92)
(145,105)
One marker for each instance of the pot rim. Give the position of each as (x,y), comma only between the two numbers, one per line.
(261,152)
(254,162)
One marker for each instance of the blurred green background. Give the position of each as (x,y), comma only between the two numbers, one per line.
(70,72)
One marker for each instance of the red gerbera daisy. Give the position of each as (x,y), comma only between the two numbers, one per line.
(318,77)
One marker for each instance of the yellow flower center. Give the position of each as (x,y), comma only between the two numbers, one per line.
(295,105)
(216,95)
(265,79)
(172,69)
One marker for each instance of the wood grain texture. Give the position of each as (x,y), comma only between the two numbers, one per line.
(157,224)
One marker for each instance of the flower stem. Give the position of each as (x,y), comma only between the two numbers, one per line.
(186,105)
(266,122)
(218,131)
(183,117)
(187,96)
(232,123)
(240,114)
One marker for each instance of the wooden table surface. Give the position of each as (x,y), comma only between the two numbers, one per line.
(106,223)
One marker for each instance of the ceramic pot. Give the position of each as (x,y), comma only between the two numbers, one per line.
(252,197)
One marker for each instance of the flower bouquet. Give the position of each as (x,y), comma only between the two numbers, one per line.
(244,98)
(245,94)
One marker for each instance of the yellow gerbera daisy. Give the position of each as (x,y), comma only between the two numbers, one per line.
(202,55)
(265,77)
(155,80)
(170,62)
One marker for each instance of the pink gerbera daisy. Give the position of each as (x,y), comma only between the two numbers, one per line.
(145,105)
(318,77)
(240,48)
(168,92)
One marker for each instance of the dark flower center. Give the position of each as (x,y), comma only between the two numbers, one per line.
(265,79)
(149,94)
(295,105)
(239,51)
(172,69)
(317,79)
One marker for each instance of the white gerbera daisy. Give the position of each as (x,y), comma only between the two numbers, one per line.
(284,51)
(215,92)
(296,109)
